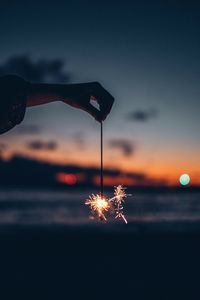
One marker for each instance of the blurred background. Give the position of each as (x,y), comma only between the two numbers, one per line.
(147,56)
(145,53)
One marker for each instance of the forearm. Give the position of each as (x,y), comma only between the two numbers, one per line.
(45,93)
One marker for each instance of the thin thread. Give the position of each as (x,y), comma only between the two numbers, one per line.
(101,177)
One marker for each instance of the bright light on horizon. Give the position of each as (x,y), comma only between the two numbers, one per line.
(184,179)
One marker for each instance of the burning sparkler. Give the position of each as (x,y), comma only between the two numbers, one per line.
(100,204)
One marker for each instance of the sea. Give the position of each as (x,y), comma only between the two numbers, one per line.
(172,211)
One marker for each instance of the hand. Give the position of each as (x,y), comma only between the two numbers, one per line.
(79,96)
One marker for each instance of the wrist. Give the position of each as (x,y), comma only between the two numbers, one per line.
(43,88)
(41,94)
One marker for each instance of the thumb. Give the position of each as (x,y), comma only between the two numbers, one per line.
(94,112)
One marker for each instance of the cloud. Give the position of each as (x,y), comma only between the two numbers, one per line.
(142,115)
(27,129)
(40,145)
(79,140)
(42,70)
(3,146)
(127,147)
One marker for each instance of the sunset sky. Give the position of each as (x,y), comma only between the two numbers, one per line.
(145,53)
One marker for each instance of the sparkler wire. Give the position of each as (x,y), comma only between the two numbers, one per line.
(101,175)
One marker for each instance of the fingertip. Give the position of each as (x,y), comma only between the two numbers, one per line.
(98,118)
(95,113)
(106,107)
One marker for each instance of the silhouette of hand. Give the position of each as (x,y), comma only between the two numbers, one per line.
(80,95)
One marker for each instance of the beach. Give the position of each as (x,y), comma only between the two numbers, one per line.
(80,264)
(141,260)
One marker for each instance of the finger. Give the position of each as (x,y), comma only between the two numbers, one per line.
(104,99)
(95,113)
(106,106)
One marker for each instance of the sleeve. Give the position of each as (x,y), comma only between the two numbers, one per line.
(13,98)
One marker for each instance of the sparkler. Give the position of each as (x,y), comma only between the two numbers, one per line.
(100,205)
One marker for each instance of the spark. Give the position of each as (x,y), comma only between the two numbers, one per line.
(118,200)
(100,205)
(119,194)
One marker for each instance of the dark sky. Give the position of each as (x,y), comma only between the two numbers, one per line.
(146,53)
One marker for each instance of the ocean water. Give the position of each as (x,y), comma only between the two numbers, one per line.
(174,211)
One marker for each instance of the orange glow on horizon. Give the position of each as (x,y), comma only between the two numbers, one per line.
(69,179)
(114,180)
(165,167)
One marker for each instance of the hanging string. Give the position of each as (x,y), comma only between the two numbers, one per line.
(101,174)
